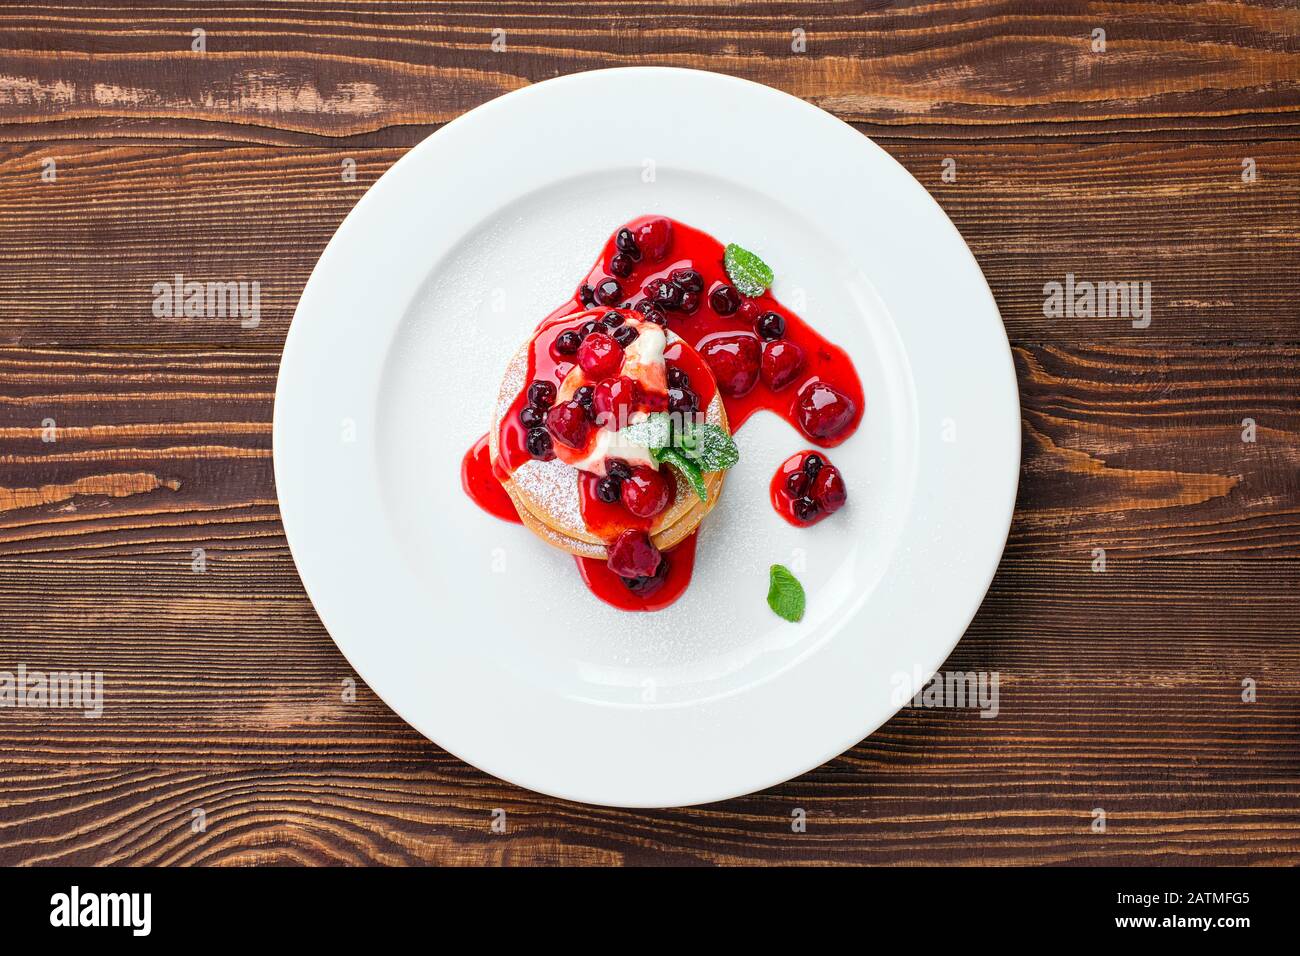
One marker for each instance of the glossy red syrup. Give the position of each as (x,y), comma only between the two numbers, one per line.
(543,365)
(689,248)
(609,587)
(693,249)
(606,519)
(483,485)
(785,503)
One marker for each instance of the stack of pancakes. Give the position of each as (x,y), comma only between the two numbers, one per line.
(547,496)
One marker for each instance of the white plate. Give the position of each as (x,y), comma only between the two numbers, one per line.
(482,637)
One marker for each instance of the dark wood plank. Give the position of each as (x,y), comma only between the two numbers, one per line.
(223,692)
(385,74)
(1144,451)
(79,257)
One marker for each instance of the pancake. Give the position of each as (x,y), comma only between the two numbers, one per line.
(547,497)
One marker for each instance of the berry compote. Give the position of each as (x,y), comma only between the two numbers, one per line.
(807,488)
(752,351)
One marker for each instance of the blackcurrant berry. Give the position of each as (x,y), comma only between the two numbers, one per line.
(625,241)
(567,342)
(652,312)
(608,291)
(682,400)
(541,393)
(804,509)
(539,444)
(609,489)
(621,265)
(688,280)
(724,300)
(770,326)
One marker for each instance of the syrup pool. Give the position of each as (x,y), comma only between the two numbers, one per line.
(481,483)
(609,587)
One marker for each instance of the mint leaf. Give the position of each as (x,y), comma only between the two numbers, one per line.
(712,448)
(708,446)
(688,469)
(655,432)
(748,273)
(785,594)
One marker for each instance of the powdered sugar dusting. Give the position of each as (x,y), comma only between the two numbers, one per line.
(585,548)
(713,415)
(512,384)
(553,487)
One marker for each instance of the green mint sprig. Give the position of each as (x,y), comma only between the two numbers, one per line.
(785,594)
(709,445)
(685,467)
(693,448)
(653,432)
(748,273)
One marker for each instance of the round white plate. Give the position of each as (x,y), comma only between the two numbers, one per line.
(481,636)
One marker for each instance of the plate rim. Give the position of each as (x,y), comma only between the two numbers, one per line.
(298,330)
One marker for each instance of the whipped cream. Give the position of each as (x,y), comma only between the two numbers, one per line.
(610,444)
(643,360)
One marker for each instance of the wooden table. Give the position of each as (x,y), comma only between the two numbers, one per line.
(1121,690)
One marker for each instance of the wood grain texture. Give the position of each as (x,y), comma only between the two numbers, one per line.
(1222,256)
(1120,690)
(385,74)
(223,692)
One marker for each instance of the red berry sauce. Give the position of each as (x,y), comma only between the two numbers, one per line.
(609,587)
(761,355)
(689,249)
(807,488)
(483,485)
(605,519)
